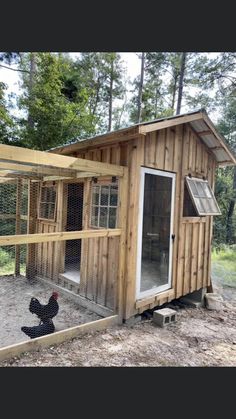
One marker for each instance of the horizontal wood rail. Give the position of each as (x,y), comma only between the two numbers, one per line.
(59,236)
(42,158)
(57,337)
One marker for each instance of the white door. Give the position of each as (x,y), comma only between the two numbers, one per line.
(155,231)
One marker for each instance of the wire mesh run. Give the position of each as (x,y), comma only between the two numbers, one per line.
(88,266)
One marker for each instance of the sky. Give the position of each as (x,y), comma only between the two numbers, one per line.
(131,61)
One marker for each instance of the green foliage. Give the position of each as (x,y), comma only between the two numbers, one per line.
(56,119)
(224,264)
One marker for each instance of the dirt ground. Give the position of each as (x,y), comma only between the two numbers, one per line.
(15,295)
(199,337)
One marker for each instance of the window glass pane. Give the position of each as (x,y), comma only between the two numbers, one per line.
(104,195)
(200,190)
(95,198)
(206,190)
(44,210)
(51,208)
(44,195)
(94,216)
(112,218)
(103,217)
(193,187)
(114,196)
(199,205)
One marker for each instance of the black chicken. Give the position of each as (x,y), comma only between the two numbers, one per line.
(42,329)
(45,311)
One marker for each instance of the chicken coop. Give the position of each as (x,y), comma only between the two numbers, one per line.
(122,221)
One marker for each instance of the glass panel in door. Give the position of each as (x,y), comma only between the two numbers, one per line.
(156,231)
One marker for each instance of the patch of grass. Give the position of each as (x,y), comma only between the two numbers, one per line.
(224,265)
(7,263)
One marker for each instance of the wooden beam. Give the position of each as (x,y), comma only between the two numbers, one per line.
(123,210)
(31,228)
(58,236)
(101,140)
(37,170)
(18,225)
(7,216)
(81,175)
(20,175)
(25,155)
(143,129)
(57,337)
(205,132)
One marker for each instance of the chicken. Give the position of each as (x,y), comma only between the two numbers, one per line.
(45,328)
(47,311)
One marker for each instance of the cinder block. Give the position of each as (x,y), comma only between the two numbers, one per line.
(213,301)
(164,316)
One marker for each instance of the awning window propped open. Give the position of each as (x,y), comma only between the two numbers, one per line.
(202,196)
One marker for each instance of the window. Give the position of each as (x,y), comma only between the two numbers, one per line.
(47,203)
(202,197)
(104,206)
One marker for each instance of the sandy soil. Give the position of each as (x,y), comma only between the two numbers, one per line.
(200,337)
(15,295)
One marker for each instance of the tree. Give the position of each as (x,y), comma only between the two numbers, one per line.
(52,119)
(226,179)
(181,82)
(6,122)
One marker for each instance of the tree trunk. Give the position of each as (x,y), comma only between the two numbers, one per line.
(141,87)
(181,82)
(110,97)
(229,223)
(174,93)
(31,83)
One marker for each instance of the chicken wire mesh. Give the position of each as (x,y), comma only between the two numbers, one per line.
(87,267)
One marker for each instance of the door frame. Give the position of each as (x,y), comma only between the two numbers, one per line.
(147,293)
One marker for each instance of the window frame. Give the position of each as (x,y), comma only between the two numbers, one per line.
(188,181)
(99,206)
(54,186)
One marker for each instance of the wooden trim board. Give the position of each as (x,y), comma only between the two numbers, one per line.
(57,337)
(25,155)
(58,236)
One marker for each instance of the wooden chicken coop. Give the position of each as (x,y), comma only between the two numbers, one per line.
(123,220)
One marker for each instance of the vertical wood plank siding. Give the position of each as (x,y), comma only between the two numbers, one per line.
(176,149)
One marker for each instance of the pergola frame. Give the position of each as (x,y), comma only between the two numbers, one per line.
(17,163)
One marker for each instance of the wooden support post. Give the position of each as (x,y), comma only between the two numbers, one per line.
(18,225)
(123,208)
(31,228)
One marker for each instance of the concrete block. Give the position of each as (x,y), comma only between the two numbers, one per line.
(190,302)
(195,299)
(132,321)
(164,316)
(213,301)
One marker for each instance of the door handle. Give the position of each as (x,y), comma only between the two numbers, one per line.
(173,237)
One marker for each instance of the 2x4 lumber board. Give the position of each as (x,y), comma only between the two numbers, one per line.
(154,298)
(31,228)
(123,207)
(18,225)
(12,175)
(81,175)
(57,337)
(57,236)
(25,155)
(143,129)
(36,170)
(7,216)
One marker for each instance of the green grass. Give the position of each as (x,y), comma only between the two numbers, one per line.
(224,265)
(7,263)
